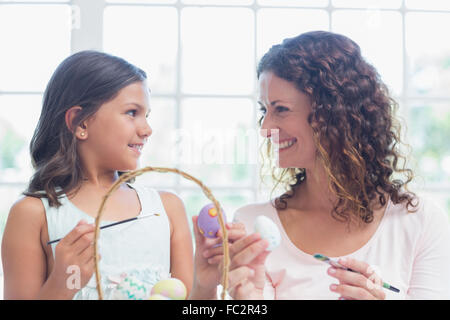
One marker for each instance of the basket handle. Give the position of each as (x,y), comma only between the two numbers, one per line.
(131,174)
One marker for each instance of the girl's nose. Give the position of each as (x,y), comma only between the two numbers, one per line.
(146,130)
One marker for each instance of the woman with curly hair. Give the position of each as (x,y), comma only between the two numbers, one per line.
(330,120)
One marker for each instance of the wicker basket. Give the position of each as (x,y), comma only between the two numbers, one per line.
(131,174)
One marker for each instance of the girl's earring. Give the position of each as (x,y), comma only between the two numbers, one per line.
(82,134)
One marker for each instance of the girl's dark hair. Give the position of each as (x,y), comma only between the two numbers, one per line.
(355,131)
(87,79)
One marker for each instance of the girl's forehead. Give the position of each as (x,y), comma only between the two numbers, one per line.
(137,90)
(135,93)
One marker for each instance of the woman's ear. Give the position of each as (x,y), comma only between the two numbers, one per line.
(80,131)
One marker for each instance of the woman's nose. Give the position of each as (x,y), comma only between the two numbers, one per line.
(268,128)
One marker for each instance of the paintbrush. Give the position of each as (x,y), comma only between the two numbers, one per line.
(116,223)
(336,264)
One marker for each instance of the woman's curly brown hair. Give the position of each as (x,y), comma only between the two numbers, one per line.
(355,131)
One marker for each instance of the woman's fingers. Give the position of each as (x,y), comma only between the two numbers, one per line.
(238,275)
(245,251)
(215,259)
(235,231)
(356,265)
(248,253)
(242,243)
(240,285)
(243,291)
(362,277)
(349,292)
(348,277)
(374,283)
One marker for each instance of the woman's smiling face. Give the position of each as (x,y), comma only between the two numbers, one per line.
(286,109)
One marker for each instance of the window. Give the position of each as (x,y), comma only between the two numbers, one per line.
(35,38)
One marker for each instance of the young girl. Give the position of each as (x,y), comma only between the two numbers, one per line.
(337,144)
(93,126)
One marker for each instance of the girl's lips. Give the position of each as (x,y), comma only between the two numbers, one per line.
(136,148)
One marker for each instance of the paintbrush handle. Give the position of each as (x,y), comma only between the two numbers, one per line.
(114,224)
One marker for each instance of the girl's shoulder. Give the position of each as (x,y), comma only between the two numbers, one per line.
(26,218)
(171,201)
(174,207)
(29,208)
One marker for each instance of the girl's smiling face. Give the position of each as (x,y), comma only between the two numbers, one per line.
(117,132)
(286,109)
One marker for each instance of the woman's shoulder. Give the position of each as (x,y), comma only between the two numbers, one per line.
(255,205)
(432,212)
(252,210)
(428,224)
(427,213)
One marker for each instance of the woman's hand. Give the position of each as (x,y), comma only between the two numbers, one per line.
(364,284)
(208,255)
(247,274)
(74,254)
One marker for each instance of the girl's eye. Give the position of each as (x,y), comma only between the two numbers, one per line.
(263,110)
(131,112)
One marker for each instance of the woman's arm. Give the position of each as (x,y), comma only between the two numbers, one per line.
(181,251)
(430,275)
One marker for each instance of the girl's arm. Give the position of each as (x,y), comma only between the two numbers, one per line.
(208,260)
(181,251)
(25,262)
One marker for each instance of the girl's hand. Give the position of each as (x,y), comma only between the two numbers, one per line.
(247,274)
(74,255)
(364,284)
(208,255)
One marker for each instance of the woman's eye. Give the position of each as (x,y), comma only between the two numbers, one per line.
(281,109)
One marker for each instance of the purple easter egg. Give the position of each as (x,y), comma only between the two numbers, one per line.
(208,221)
